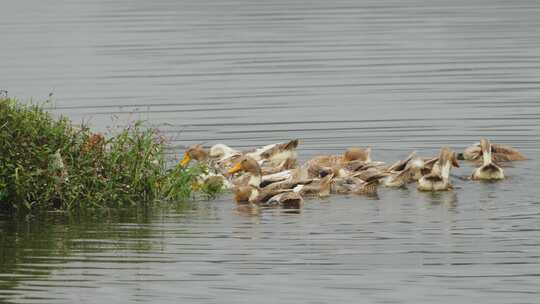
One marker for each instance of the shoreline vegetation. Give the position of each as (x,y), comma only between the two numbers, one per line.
(50,164)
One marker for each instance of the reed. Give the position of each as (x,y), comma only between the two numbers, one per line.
(47,163)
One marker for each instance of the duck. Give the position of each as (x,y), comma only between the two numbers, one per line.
(249,195)
(254,175)
(252,170)
(244,195)
(196,152)
(218,157)
(404,171)
(439,178)
(287,200)
(273,158)
(343,182)
(342,185)
(353,159)
(489,170)
(223,156)
(213,174)
(278,154)
(368,185)
(499,153)
(272,168)
(316,187)
(319,187)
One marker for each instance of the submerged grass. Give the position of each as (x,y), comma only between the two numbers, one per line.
(47,163)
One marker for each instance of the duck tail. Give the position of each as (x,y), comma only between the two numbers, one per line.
(291,144)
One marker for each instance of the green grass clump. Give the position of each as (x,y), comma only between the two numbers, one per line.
(47,163)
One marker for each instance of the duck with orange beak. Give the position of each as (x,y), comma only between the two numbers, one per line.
(198,153)
(252,169)
(249,191)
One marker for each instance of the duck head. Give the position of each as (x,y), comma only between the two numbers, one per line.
(196,152)
(250,166)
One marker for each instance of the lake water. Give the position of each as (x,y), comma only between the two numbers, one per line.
(396,75)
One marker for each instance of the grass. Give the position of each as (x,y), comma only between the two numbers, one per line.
(47,163)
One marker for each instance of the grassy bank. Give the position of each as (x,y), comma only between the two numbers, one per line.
(47,163)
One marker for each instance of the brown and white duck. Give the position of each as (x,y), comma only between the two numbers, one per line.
(353,159)
(368,186)
(439,178)
(489,170)
(499,153)
(316,187)
(282,155)
(252,173)
(404,171)
(214,173)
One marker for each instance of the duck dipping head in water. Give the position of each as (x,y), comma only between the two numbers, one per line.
(439,178)
(489,170)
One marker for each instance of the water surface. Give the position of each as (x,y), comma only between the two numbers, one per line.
(396,75)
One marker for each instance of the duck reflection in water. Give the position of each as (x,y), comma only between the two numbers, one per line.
(448,199)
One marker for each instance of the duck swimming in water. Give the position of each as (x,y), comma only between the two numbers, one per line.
(247,195)
(318,187)
(489,170)
(218,157)
(404,171)
(248,165)
(269,176)
(439,178)
(277,155)
(196,152)
(254,175)
(213,175)
(353,159)
(499,153)
(368,184)
(272,158)
(287,200)
(251,192)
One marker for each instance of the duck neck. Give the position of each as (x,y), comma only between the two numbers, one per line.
(255,180)
(486,155)
(254,194)
(445,170)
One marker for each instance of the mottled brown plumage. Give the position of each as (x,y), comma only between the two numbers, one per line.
(489,170)
(439,177)
(499,153)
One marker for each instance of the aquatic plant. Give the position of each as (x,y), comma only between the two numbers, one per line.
(48,163)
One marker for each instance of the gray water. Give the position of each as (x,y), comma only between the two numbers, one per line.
(396,75)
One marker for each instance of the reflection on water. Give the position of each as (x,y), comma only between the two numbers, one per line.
(480,241)
(397,75)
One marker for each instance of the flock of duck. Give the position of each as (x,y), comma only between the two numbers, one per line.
(271,175)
